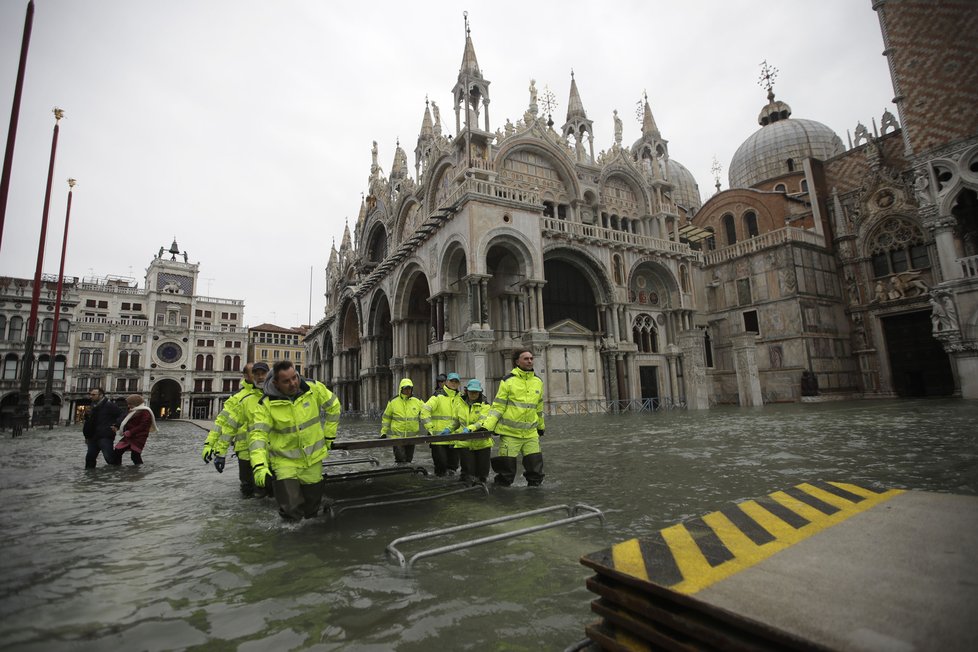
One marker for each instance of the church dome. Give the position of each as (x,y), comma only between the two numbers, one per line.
(766,152)
(686,192)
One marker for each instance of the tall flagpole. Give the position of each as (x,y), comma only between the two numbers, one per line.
(23,414)
(8,155)
(52,417)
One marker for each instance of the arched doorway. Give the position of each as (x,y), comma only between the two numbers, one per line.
(8,410)
(417,323)
(165,399)
(348,372)
(918,364)
(44,414)
(381,337)
(505,293)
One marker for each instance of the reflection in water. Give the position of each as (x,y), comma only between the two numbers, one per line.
(168,557)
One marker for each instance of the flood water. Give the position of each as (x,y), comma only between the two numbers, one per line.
(168,557)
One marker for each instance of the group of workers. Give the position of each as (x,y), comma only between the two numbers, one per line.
(281,427)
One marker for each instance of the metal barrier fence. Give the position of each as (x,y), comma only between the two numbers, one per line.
(587,406)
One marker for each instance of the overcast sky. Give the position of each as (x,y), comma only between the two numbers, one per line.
(244,127)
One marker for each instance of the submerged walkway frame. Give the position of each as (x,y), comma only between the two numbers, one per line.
(419,495)
(573,516)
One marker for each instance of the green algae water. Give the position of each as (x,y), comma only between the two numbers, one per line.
(168,557)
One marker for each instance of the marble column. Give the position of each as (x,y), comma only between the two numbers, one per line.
(745,365)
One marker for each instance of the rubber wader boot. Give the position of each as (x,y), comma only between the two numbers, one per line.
(533,466)
(505,468)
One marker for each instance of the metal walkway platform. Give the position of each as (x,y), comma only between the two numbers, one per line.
(575,514)
(819,566)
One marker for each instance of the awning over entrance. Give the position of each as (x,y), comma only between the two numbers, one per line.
(692,233)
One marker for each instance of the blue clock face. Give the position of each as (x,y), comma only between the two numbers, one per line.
(169,352)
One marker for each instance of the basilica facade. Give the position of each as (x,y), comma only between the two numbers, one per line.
(823,271)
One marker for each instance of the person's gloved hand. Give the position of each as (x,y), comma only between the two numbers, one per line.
(219,464)
(540,432)
(262,473)
(445,431)
(207,453)
(466,429)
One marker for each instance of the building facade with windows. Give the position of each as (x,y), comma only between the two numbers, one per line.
(181,351)
(823,269)
(270,343)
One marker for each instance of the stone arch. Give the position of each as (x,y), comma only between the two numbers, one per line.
(576,284)
(516,241)
(650,276)
(965,213)
(440,184)
(409,218)
(894,243)
(376,247)
(631,179)
(454,264)
(348,359)
(555,157)
(164,398)
(380,330)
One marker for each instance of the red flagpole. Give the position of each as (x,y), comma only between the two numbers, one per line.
(8,155)
(51,417)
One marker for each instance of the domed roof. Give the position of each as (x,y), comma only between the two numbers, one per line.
(765,153)
(686,192)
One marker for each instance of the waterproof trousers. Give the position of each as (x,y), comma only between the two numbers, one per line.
(403,454)
(445,458)
(297,500)
(104,446)
(474,464)
(505,464)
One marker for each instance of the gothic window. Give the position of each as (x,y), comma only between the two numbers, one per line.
(236,363)
(730,229)
(750,222)
(209,362)
(619,194)
(227,363)
(897,246)
(96,358)
(123,359)
(530,170)
(84,358)
(645,334)
(199,363)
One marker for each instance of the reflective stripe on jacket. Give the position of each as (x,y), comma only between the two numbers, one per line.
(517,410)
(295,432)
(438,412)
(472,416)
(402,417)
(214,436)
(238,422)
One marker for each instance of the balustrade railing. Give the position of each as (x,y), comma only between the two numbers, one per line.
(613,235)
(764,241)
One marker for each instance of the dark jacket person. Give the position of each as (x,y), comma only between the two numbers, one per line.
(99,429)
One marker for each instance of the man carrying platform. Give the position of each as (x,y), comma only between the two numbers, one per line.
(247,385)
(402,418)
(235,429)
(294,427)
(437,415)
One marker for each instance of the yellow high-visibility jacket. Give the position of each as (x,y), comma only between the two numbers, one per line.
(438,412)
(238,424)
(402,417)
(294,432)
(472,416)
(215,434)
(517,410)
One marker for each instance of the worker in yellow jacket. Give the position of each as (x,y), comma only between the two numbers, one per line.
(402,418)
(247,385)
(294,428)
(235,433)
(437,415)
(516,416)
(470,415)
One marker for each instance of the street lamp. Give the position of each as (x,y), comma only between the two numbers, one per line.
(50,416)
(23,414)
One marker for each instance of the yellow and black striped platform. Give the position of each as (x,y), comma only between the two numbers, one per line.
(696,553)
(646,585)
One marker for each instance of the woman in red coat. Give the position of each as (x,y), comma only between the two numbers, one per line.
(135,428)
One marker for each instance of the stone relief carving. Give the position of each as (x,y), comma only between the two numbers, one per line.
(944,315)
